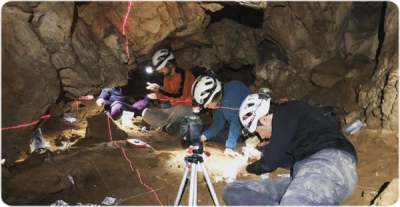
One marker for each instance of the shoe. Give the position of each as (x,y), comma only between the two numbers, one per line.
(172,128)
(167,129)
(39,151)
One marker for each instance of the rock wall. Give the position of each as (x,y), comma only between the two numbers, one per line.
(231,43)
(332,30)
(379,95)
(29,81)
(54,50)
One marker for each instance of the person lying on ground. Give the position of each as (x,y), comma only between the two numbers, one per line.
(324,162)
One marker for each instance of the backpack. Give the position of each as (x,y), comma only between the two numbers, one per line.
(186,121)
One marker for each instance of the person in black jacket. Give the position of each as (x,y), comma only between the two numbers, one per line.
(324,161)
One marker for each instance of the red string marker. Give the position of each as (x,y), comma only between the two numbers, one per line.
(25,125)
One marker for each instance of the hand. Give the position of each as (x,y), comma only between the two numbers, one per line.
(87,97)
(203,138)
(190,150)
(262,143)
(152,86)
(100,101)
(152,96)
(229,152)
(254,154)
(287,99)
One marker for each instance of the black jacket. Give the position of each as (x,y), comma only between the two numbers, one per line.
(299,130)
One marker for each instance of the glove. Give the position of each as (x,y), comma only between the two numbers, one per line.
(152,86)
(252,142)
(203,138)
(254,154)
(100,101)
(229,152)
(152,96)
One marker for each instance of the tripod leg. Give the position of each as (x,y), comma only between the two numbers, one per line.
(195,187)
(210,186)
(193,175)
(183,181)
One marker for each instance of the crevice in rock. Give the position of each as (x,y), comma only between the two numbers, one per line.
(269,49)
(381,189)
(243,15)
(61,94)
(74,19)
(243,74)
(381,33)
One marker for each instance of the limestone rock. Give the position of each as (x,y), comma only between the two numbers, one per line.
(365,44)
(381,90)
(361,38)
(231,42)
(390,195)
(352,116)
(373,122)
(54,21)
(94,135)
(254,4)
(210,6)
(297,30)
(29,81)
(329,73)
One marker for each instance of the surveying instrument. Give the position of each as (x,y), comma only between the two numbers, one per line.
(195,160)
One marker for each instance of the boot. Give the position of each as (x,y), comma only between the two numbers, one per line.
(172,128)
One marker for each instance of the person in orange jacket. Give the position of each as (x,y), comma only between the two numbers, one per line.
(176,89)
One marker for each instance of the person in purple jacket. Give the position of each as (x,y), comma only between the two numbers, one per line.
(117,99)
(323,170)
(225,100)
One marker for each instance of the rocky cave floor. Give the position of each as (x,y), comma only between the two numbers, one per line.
(102,166)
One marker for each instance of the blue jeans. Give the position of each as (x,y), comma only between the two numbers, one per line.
(327,177)
(222,136)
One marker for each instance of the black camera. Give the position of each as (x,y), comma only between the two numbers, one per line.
(192,134)
(192,138)
(190,129)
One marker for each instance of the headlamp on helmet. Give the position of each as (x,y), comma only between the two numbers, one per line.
(252,108)
(204,89)
(162,57)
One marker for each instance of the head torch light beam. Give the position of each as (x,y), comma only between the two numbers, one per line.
(196,110)
(149,69)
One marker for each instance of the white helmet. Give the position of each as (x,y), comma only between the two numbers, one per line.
(204,89)
(161,57)
(253,107)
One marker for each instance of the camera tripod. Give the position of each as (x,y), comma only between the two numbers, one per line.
(194,160)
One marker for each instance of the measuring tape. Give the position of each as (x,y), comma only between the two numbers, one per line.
(136,143)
